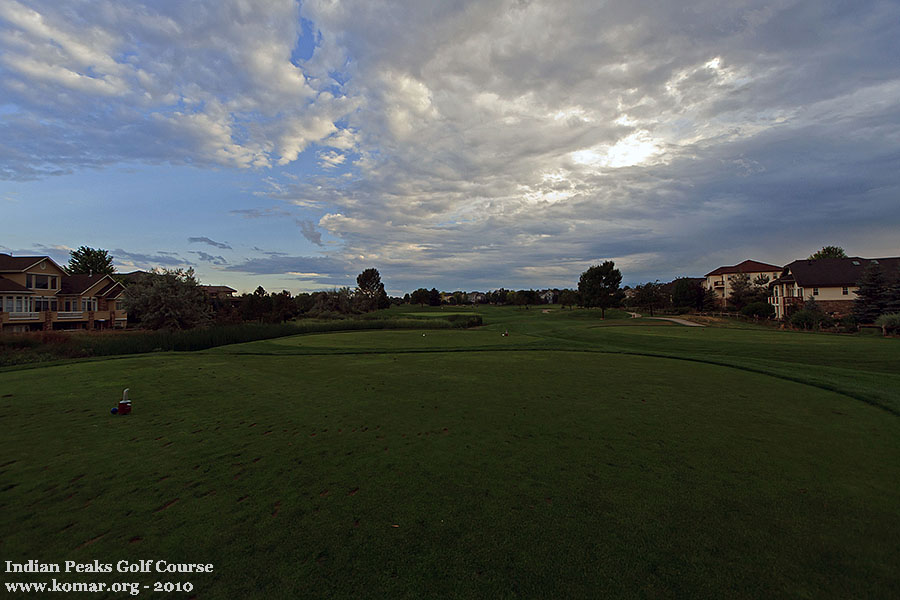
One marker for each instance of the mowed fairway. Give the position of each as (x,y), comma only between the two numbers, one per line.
(559,462)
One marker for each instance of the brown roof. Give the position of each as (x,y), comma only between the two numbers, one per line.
(217,288)
(837,272)
(748,266)
(17,264)
(7,285)
(113,290)
(78,284)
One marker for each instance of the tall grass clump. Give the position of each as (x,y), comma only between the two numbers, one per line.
(18,349)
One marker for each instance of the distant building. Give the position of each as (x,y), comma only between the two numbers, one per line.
(831,282)
(719,279)
(220,292)
(37,294)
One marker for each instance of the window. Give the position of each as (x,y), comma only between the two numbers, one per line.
(37,282)
(8,304)
(844,291)
(18,303)
(54,282)
(815,291)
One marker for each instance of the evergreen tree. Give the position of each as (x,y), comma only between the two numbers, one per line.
(872,295)
(829,252)
(85,261)
(893,294)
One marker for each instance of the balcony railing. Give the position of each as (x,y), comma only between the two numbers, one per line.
(70,314)
(24,316)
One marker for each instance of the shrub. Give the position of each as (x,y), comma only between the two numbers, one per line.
(762,310)
(889,323)
(810,319)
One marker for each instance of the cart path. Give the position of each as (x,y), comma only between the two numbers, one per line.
(684,322)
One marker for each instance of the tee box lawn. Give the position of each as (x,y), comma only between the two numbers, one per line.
(574,458)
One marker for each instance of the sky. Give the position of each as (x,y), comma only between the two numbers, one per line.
(450,144)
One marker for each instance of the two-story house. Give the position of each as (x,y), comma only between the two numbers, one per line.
(37,294)
(831,282)
(719,280)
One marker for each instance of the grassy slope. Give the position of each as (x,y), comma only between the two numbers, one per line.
(528,474)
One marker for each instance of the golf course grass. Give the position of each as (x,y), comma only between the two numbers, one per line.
(574,458)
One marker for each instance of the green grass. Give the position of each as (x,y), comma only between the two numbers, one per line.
(577,457)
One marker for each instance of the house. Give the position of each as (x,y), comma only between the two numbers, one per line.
(831,282)
(37,294)
(218,292)
(548,296)
(719,280)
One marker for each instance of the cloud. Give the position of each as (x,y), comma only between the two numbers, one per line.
(323,271)
(215,260)
(516,143)
(308,229)
(206,84)
(206,240)
(474,144)
(140,261)
(258,213)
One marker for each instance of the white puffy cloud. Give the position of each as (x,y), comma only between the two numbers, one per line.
(198,83)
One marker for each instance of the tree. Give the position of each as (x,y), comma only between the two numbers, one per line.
(85,261)
(872,296)
(568,297)
(710,301)
(256,306)
(169,299)
(420,296)
(599,287)
(892,293)
(283,307)
(744,291)
(370,294)
(648,295)
(829,252)
(304,302)
(328,303)
(687,293)
(434,297)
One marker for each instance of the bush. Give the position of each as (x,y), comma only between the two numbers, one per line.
(889,323)
(810,319)
(762,310)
